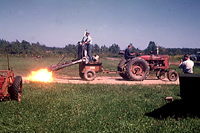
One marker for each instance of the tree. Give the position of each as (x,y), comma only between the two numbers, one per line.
(114,49)
(104,49)
(26,47)
(151,47)
(36,49)
(71,49)
(15,47)
(3,44)
(96,49)
(162,50)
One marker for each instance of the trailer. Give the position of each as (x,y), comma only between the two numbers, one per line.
(87,71)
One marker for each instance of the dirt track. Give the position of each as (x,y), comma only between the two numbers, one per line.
(109,80)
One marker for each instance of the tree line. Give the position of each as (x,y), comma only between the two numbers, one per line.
(25,48)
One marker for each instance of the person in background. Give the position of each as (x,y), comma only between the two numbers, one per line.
(128,54)
(187,64)
(88,42)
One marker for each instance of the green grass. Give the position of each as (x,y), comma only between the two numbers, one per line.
(94,108)
(57,107)
(24,66)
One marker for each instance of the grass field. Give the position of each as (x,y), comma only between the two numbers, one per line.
(96,108)
(53,107)
(24,66)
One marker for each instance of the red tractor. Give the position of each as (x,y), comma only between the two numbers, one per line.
(138,68)
(10,86)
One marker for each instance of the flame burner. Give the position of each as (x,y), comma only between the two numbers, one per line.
(42,75)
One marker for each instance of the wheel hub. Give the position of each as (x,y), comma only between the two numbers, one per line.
(90,75)
(137,70)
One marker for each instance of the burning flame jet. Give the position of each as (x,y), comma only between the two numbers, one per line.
(42,75)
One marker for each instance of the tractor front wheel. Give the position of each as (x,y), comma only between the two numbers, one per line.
(172,75)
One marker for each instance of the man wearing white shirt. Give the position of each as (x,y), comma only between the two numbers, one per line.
(88,42)
(187,65)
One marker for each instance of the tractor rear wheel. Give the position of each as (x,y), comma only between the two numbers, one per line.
(16,90)
(89,75)
(137,69)
(172,75)
(120,68)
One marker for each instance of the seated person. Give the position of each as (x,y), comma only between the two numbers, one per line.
(128,54)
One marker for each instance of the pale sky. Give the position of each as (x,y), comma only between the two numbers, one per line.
(169,23)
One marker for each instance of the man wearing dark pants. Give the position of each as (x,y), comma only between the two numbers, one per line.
(88,42)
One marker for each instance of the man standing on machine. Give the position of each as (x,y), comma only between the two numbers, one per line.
(88,42)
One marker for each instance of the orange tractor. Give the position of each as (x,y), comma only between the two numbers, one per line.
(10,86)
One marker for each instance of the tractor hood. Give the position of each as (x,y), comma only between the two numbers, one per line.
(154,57)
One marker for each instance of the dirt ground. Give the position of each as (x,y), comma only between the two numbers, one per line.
(109,80)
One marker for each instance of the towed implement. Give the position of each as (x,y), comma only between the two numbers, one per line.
(87,70)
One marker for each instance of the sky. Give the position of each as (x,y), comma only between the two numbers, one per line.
(56,23)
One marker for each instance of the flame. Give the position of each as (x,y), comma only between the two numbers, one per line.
(42,75)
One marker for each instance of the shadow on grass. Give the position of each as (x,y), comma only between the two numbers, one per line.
(176,109)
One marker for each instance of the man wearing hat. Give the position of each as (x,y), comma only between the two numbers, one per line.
(88,41)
